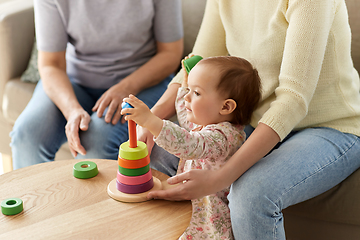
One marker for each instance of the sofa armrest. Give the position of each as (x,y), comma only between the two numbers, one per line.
(17,33)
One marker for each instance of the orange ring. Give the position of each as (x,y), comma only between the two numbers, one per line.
(133,164)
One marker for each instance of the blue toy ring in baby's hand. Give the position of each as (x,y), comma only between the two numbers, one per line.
(126,105)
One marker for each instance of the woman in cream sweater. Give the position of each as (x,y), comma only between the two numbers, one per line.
(304,137)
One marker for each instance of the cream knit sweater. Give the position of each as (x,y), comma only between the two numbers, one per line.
(301,49)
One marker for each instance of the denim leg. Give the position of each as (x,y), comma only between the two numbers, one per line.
(39,131)
(163,161)
(306,164)
(102,140)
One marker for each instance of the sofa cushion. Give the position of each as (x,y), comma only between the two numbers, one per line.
(31,73)
(16,96)
(338,207)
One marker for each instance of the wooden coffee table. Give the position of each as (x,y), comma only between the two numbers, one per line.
(60,206)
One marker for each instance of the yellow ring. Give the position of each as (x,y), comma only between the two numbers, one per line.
(128,153)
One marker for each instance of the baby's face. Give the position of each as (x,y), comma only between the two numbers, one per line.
(203,102)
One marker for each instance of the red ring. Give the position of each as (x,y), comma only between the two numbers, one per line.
(133,180)
(133,164)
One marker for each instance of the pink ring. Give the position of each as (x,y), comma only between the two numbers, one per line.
(134,189)
(134,180)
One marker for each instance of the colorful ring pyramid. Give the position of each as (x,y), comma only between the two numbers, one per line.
(134,173)
(134,178)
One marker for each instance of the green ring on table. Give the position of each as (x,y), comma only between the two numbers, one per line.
(85,169)
(134,172)
(12,206)
(128,153)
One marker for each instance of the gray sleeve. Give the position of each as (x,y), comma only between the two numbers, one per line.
(168,20)
(50,28)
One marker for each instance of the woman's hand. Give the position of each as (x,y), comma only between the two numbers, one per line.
(112,99)
(190,185)
(78,119)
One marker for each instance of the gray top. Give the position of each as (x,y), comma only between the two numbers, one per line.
(105,40)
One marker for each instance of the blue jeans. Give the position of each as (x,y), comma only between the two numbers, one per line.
(306,164)
(39,131)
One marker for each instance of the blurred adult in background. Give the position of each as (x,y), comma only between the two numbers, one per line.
(91,55)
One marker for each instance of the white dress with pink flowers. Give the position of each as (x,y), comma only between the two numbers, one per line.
(199,147)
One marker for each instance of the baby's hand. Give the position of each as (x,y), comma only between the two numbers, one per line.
(139,113)
(185,82)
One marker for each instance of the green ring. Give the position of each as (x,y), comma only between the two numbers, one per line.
(191,62)
(12,206)
(128,153)
(134,172)
(85,169)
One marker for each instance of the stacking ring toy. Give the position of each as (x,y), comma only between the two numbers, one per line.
(12,206)
(134,178)
(85,169)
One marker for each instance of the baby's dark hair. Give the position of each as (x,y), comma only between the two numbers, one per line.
(240,81)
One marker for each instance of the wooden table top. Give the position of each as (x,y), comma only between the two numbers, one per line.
(59,206)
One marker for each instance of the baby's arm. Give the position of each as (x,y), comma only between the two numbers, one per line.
(141,114)
(207,143)
(181,110)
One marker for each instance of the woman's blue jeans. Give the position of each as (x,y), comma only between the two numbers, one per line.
(306,164)
(39,131)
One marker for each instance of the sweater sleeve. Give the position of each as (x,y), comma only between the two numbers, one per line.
(309,24)
(211,37)
(51,35)
(168,20)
